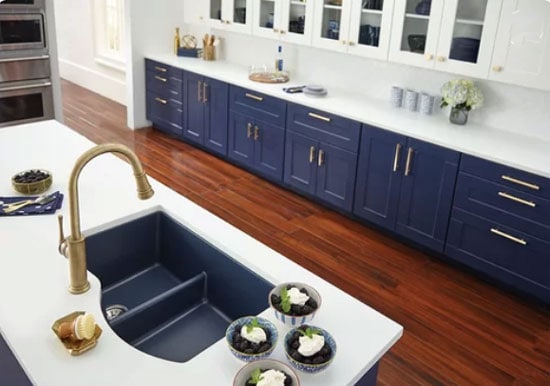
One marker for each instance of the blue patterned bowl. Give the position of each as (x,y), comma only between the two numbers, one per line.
(270,329)
(291,320)
(266,364)
(305,367)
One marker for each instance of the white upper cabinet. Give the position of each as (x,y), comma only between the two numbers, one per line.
(455,36)
(522,46)
(287,20)
(360,27)
(233,15)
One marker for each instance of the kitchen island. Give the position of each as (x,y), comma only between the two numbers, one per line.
(34,278)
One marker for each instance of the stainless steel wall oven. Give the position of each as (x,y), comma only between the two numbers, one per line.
(22,31)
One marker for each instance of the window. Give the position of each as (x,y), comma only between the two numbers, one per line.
(109,33)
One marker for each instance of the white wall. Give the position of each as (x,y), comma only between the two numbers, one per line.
(510,108)
(75,45)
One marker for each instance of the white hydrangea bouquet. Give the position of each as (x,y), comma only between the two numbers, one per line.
(462,95)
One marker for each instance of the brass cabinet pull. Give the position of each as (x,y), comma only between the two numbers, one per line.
(396,158)
(199,87)
(520,182)
(321,159)
(204,93)
(409,160)
(320,117)
(509,237)
(255,97)
(161,78)
(249,130)
(312,154)
(517,199)
(256,133)
(163,101)
(161,69)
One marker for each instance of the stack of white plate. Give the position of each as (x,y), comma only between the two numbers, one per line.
(315,90)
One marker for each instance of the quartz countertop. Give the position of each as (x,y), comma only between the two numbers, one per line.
(522,152)
(34,278)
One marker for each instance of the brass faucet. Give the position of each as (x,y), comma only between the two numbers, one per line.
(74,247)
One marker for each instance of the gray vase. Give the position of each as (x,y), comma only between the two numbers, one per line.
(458,116)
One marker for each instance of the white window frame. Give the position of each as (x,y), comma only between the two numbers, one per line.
(104,54)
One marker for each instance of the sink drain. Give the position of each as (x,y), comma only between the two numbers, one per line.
(115,311)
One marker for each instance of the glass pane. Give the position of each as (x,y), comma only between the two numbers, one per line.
(239,12)
(415,26)
(216,9)
(332,14)
(468,29)
(297,17)
(371,16)
(20,31)
(267,11)
(17,108)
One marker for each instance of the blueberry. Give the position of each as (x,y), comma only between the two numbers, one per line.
(249,351)
(297,356)
(318,359)
(304,310)
(312,303)
(265,347)
(275,299)
(295,309)
(304,291)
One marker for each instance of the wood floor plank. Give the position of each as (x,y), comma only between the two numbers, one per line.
(459,329)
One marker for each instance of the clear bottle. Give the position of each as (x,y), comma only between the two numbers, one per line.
(279,60)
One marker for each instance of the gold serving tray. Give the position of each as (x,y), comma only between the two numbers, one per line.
(76,347)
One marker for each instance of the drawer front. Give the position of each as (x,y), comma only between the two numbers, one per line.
(257,105)
(503,204)
(507,176)
(163,70)
(324,127)
(504,252)
(167,86)
(167,114)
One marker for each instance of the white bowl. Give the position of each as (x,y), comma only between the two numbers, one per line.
(245,372)
(295,320)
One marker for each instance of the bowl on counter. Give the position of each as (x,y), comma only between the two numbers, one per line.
(250,352)
(315,363)
(32,181)
(245,373)
(294,317)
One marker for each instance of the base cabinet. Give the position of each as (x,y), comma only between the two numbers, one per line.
(406,185)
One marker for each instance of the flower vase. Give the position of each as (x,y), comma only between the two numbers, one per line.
(458,116)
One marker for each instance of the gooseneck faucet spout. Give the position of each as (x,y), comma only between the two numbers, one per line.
(74,246)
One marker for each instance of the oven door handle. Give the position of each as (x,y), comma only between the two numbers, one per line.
(25,87)
(41,57)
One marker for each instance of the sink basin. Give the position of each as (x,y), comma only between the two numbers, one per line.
(175,292)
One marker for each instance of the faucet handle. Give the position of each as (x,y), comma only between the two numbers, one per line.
(62,248)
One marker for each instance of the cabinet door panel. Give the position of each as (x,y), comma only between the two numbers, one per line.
(241,143)
(194,107)
(296,22)
(300,162)
(336,176)
(216,95)
(267,18)
(378,185)
(331,25)
(427,193)
(269,149)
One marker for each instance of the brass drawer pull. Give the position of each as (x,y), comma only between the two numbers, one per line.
(509,237)
(320,117)
(161,69)
(312,154)
(204,93)
(249,130)
(396,158)
(163,101)
(520,182)
(256,133)
(321,160)
(255,97)
(199,87)
(409,161)
(161,78)
(517,199)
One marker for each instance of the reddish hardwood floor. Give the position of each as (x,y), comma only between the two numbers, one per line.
(458,329)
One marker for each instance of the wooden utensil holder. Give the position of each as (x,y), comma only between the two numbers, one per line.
(209,53)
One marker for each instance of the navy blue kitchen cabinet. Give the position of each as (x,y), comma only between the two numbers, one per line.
(206,104)
(406,185)
(321,155)
(256,132)
(164,97)
(500,225)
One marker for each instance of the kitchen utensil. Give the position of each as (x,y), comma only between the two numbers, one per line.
(42,200)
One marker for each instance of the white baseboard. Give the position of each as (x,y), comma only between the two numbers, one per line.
(95,81)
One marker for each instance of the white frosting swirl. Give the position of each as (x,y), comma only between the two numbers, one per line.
(297,297)
(272,378)
(311,346)
(257,335)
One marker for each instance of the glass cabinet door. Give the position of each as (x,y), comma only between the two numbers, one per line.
(215,11)
(230,14)
(415,31)
(267,15)
(296,20)
(332,24)
(240,11)
(467,36)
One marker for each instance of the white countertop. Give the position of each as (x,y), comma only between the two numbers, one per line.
(526,153)
(34,278)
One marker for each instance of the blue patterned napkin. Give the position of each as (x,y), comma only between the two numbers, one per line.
(49,208)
